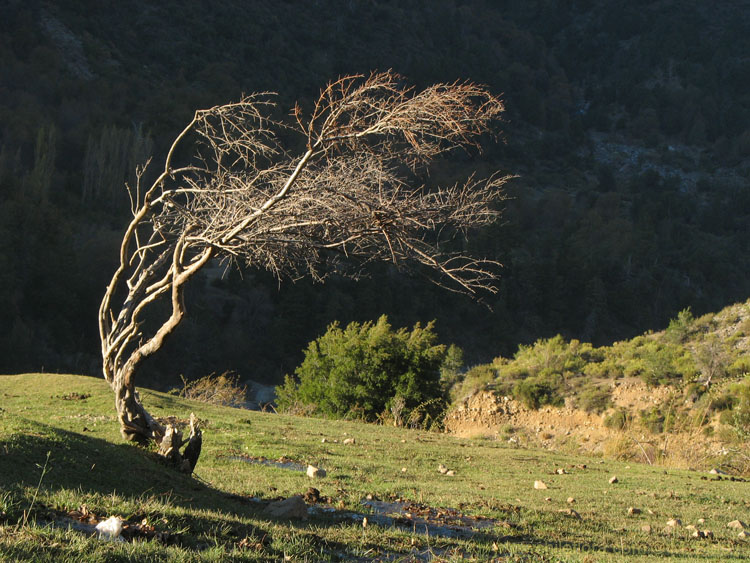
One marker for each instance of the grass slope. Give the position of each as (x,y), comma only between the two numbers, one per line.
(219,513)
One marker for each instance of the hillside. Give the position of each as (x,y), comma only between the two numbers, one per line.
(627,126)
(62,471)
(680,396)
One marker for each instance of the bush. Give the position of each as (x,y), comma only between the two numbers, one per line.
(360,370)
(595,399)
(537,391)
(223,390)
(477,378)
(618,420)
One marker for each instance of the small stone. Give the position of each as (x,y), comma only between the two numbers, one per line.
(674,523)
(293,507)
(698,534)
(701,520)
(442,469)
(690,527)
(350,442)
(650,511)
(736,525)
(561,471)
(570,512)
(548,499)
(450,473)
(369,496)
(571,500)
(364,522)
(632,511)
(613,480)
(540,485)
(708,534)
(646,528)
(315,472)
(743,534)
(403,470)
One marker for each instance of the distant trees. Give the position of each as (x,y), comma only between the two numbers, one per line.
(230,189)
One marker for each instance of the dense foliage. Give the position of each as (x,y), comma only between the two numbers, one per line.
(369,370)
(627,125)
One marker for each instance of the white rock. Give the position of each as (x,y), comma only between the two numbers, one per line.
(442,469)
(315,472)
(674,523)
(613,480)
(539,485)
(737,525)
(350,442)
(110,529)
(292,507)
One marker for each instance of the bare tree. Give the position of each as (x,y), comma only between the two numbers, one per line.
(241,196)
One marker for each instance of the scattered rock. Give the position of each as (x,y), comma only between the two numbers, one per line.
(350,442)
(690,527)
(450,473)
(442,469)
(632,511)
(737,525)
(403,470)
(292,507)
(646,528)
(571,500)
(698,534)
(315,472)
(674,523)
(743,534)
(370,496)
(613,480)
(540,485)
(570,512)
(323,441)
(701,520)
(548,499)
(561,471)
(364,522)
(650,511)
(708,534)
(716,471)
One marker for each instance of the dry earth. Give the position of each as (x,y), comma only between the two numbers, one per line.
(568,428)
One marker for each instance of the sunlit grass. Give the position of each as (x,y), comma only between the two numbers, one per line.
(218,513)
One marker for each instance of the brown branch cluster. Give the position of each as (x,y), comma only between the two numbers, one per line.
(350,192)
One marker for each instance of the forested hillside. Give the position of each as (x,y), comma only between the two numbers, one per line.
(628,126)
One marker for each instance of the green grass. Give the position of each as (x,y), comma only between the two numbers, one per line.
(210,514)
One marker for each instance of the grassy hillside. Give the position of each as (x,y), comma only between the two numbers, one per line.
(219,514)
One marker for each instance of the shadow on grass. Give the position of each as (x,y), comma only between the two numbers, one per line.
(95,466)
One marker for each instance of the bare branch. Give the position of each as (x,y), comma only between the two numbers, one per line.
(347,195)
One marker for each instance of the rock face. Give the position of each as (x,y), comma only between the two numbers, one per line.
(292,507)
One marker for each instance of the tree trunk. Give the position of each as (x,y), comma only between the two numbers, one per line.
(136,424)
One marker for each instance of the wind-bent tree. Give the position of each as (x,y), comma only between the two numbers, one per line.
(231,190)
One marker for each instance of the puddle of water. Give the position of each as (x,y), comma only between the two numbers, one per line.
(445,522)
(283,464)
